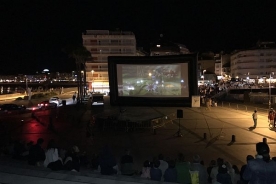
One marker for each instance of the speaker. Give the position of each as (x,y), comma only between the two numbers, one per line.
(179,113)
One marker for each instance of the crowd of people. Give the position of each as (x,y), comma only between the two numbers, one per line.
(260,169)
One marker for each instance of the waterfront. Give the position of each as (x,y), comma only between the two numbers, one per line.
(17,87)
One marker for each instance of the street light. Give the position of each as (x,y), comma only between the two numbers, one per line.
(269,82)
(203,76)
(92,72)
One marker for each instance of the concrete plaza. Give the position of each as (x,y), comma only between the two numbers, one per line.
(218,124)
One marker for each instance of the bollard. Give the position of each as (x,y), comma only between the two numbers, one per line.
(233,138)
(204,136)
(264,140)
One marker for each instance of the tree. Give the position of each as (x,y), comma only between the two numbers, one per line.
(81,55)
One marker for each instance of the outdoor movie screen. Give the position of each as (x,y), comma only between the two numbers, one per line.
(153,80)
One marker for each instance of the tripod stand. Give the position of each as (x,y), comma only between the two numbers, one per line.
(179,115)
(178,133)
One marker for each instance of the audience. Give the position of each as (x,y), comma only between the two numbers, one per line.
(183,170)
(51,154)
(127,164)
(236,175)
(223,176)
(155,172)
(202,171)
(214,170)
(261,169)
(145,173)
(209,169)
(36,153)
(163,164)
(72,160)
(248,157)
(170,174)
(107,162)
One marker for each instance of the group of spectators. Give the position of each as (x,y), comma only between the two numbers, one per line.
(260,169)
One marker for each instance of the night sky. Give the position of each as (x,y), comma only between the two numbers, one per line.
(33,33)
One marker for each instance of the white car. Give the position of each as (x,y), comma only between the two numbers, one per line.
(56,100)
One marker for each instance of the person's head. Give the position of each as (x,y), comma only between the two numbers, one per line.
(75,149)
(161,157)
(236,169)
(40,141)
(213,163)
(263,150)
(196,159)
(255,111)
(171,164)
(181,157)
(249,157)
(156,163)
(220,161)
(146,163)
(222,169)
(51,144)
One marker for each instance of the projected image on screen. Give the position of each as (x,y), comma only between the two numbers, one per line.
(160,80)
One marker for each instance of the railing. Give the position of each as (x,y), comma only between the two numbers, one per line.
(244,107)
(160,122)
(114,122)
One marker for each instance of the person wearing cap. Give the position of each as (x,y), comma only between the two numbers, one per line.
(223,176)
(255,117)
(261,170)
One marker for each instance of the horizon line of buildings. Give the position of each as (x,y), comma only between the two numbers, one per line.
(249,64)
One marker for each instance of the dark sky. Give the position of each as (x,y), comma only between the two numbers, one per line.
(33,33)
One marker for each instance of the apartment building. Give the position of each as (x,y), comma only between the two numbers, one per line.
(101,44)
(256,63)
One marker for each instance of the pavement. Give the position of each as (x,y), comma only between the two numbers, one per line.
(208,133)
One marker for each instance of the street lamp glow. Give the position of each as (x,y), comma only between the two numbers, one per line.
(203,75)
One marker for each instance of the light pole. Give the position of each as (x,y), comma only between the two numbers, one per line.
(92,71)
(203,76)
(269,90)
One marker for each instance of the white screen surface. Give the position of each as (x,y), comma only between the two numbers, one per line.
(153,80)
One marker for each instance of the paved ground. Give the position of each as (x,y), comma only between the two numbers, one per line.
(219,124)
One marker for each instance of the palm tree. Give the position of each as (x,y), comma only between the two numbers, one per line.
(81,55)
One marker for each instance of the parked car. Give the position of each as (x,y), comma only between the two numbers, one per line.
(46,105)
(11,107)
(55,100)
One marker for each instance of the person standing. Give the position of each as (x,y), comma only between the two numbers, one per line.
(271,116)
(255,117)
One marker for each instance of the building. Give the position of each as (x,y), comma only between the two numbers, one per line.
(163,47)
(101,44)
(222,65)
(256,63)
